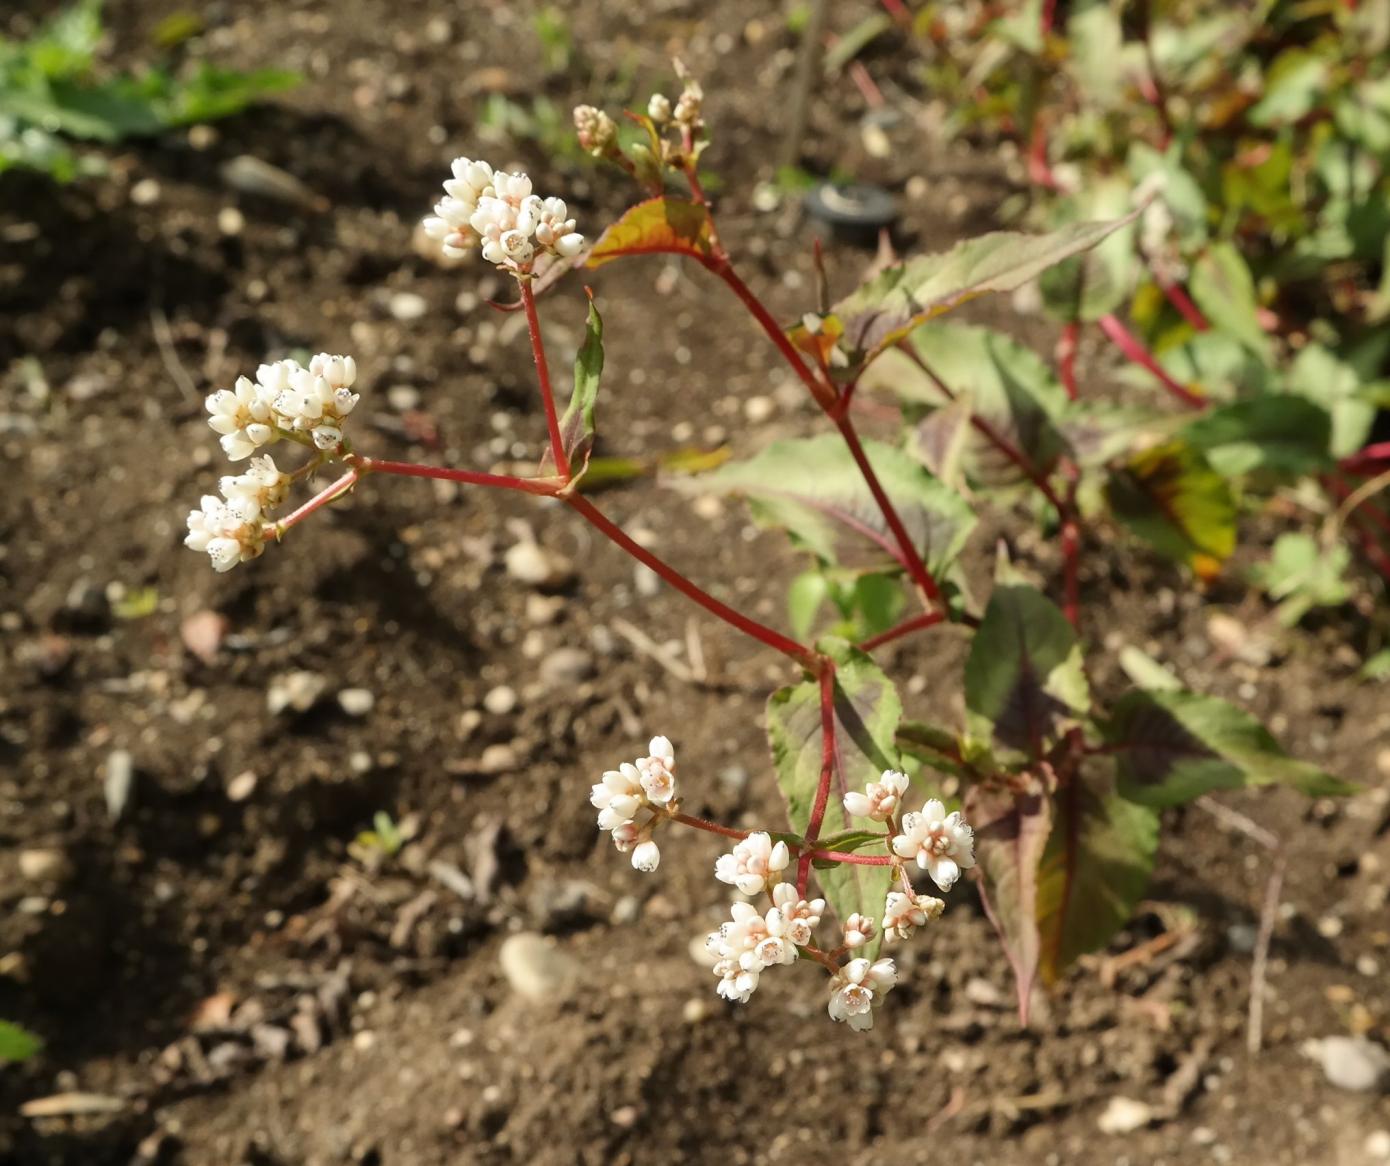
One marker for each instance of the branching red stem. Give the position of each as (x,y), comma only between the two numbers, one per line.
(751,627)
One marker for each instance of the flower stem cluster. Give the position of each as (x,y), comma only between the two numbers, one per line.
(286,401)
(636,797)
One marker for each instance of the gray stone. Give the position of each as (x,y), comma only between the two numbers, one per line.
(535,968)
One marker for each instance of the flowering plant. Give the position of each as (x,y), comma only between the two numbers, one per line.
(1053,801)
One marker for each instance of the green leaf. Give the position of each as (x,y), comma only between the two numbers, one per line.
(17,1044)
(1170,497)
(1011,833)
(1326,380)
(866,714)
(1025,684)
(1146,672)
(1304,574)
(1094,872)
(1172,747)
(1294,84)
(1282,433)
(1098,55)
(935,747)
(807,593)
(892,303)
(812,488)
(65,46)
(577,424)
(1376,667)
(1095,283)
(1225,291)
(659,225)
(992,377)
(211,93)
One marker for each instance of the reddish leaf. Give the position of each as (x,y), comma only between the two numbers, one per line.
(1011,832)
(657,226)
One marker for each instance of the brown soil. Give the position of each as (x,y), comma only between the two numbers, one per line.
(200,947)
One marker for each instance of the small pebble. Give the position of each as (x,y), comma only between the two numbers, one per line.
(407,306)
(624,1117)
(530,563)
(145,192)
(356,702)
(120,777)
(500,700)
(403,398)
(1124,1115)
(535,968)
(230,221)
(1351,1062)
(44,865)
(566,667)
(543,609)
(294,691)
(1378,1146)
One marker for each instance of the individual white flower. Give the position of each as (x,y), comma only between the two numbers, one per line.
(880,799)
(904,913)
(752,863)
(943,844)
(775,948)
(243,416)
(229,530)
(857,987)
(632,838)
(657,771)
(859,929)
(659,108)
(262,483)
(618,797)
(801,916)
(735,983)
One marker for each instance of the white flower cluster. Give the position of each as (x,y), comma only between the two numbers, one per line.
(496,212)
(750,942)
(285,398)
(633,798)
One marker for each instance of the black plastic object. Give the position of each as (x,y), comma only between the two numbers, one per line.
(857,211)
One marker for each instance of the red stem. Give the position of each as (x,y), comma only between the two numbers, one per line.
(1377,452)
(552,420)
(1066,358)
(719,264)
(907,627)
(1129,344)
(707,825)
(1183,303)
(827,771)
(931,593)
(751,627)
(547,487)
(322,498)
(846,857)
